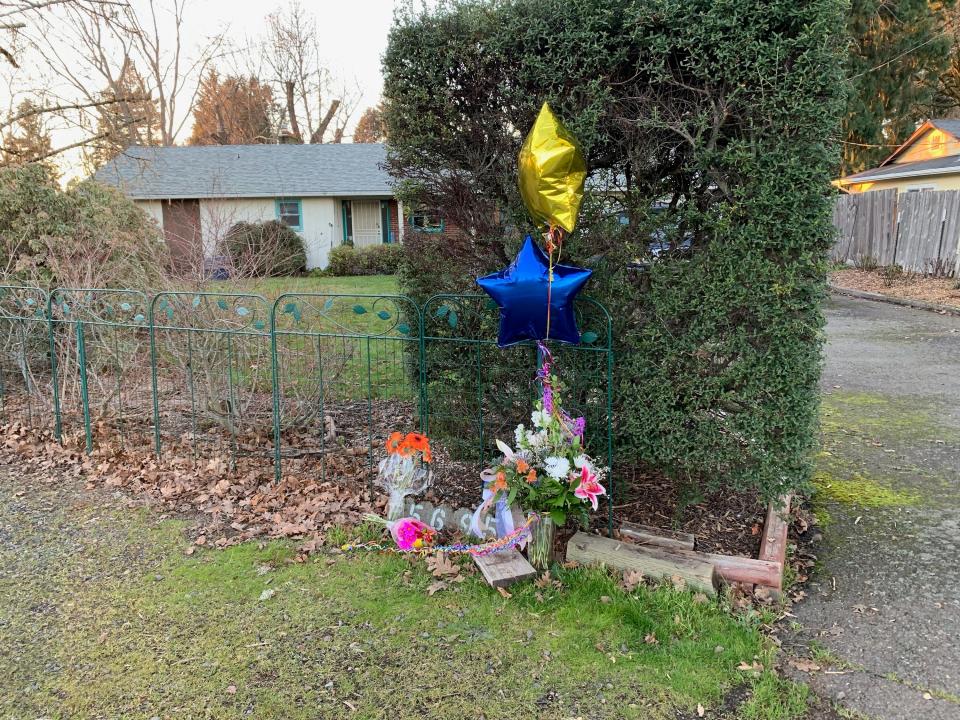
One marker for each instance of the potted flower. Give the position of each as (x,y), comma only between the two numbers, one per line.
(548,472)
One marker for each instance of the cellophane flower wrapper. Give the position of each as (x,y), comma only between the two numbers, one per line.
(400,476)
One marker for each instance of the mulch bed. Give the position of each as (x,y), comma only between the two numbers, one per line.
(912,286)
(320,490)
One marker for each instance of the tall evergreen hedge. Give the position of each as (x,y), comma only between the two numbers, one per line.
(710,125)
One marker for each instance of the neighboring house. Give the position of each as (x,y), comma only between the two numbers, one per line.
(928,160)
(330,194)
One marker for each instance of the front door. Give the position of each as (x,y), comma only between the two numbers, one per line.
(181,230)
(366,222)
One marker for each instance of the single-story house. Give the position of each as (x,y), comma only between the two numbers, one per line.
(331,194)
(928,160)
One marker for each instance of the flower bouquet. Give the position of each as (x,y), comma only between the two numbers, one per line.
(405,470)
(548,472)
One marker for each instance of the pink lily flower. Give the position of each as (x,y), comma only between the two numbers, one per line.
(589,488)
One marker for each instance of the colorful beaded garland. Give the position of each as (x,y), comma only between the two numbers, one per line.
(480,550)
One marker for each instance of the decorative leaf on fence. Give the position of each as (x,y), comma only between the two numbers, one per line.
(359,309)
(403,328)
(196,301)
(588,337)
(328,305)
(125,306)
(383,315)
(442,311)
(452,318)
(259,325)
(222,304)
(66,307)
(138,318)
(490,304)
(242,311)
(293,309)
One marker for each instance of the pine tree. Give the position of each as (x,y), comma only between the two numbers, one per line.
(233,110)
(133,120)
(899,50)
(29,139)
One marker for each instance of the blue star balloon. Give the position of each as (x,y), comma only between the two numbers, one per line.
(520,291)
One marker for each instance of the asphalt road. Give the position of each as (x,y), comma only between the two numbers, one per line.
(884,606)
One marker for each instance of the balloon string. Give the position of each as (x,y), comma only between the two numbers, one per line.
(552,232)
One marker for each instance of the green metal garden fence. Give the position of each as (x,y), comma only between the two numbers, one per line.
(217,377)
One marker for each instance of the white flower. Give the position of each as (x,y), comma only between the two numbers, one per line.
(557,467)
(505,449)
(582,461)
(536,439)
(519,434)
(540,418)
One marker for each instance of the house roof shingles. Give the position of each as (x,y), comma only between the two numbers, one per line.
(948,126)
(937,166)
(239,171)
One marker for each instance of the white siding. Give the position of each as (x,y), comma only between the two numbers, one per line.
(319,230)
(153,208)
(219,215)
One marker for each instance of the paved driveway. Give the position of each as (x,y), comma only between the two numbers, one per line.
(885,603)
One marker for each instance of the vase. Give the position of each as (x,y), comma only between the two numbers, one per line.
(540,548)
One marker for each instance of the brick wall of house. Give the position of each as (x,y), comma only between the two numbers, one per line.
(450,229)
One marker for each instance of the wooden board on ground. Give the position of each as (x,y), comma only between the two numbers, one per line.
(504,568)
(651,561)
(773,546)
(647,535)
(730,568)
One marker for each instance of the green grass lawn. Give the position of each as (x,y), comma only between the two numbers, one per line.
(105,616)
(271,288)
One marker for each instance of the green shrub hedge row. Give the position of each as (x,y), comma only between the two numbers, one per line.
(370,260)
(707,124)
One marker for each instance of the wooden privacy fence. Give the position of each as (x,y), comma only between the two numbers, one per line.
(919,231)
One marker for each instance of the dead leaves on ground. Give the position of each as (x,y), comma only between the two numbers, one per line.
(239,503)
(445,570)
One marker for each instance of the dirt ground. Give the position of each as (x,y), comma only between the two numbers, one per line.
(941,291)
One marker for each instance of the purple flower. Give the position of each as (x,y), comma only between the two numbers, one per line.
(548,399)
(579,426)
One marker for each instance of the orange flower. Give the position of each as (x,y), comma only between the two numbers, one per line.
(522,466)
(500,483)
(532,476)
(393,442)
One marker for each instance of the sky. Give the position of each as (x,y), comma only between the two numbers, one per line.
(352,33)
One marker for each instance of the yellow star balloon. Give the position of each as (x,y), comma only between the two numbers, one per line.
(551,172)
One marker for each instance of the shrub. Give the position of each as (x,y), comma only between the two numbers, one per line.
(268,249)
(370,260)
(727,109)
(88,236)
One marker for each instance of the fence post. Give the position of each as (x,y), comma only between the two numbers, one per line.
(275,379)
(84,397)
(57,420)
(153,379)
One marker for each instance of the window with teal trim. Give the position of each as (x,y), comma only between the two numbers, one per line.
(426,220)
(290,213)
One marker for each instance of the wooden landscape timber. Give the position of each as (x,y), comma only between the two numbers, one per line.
(504,568)
(766,570)
(653,561)
(773,545)
(647,535)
